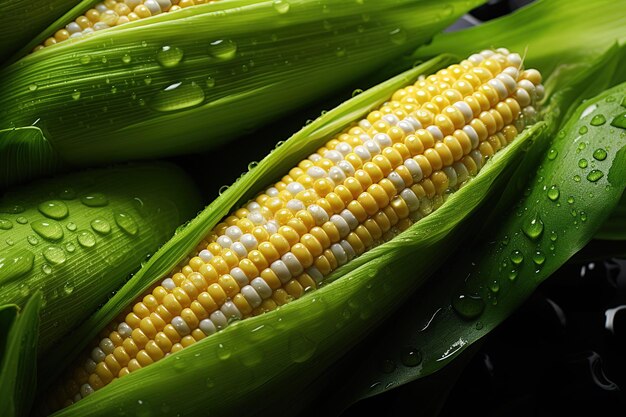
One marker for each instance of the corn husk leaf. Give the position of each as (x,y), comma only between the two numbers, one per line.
(77,237)
(289,347)
(14,33)
(19,331)
(168,85)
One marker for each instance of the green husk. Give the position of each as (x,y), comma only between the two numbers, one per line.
(15,32)
(288,347)
(231,66)
(18,350)
(76,238)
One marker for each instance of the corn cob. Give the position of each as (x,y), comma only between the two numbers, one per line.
(114,13)
(361,189)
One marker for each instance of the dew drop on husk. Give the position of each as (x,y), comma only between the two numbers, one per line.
(169,56)
(47,229)
(54,209)
(468,306)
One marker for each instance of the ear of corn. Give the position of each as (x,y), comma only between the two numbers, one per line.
(152,78)
(79,236)
(18,348)
(14,33)
(279,345)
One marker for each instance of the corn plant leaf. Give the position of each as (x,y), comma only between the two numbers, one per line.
(15,32)
(290,346)
(18,358)
(152,80)
(77,237)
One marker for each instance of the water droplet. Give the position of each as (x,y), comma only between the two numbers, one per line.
(101,226)
(222,189)
(68,288)
(5,224)
(582,163)
(71,226)
(595,175)
(223,49)
(553,236)
(281,6)
(177,96)
(534,228)
(24,290)
(619,121)
(398,36)
(54,209)
(95,200)
(577,178)
(553,193)
(126,222)
(22,220)
(599,154)
(468,306)
(552,154)
(54,254)
(86,239)
(539,258)
(357,92)
(210,82)
(14,209)
(517,257)
(411,357)
(32,87)
(84,59)
(447,11)
(598,120)
(301,348)
(48,229)
(47,269)
(15,263)
(583,130)
(69,246)
(9,242)
(340,51)
(169,56)
(126,59)
(223,352)
(67,194)
(513,274)
(32,239)
(388,366)
(210,383)
(495,286)
(583,216)
(75,95)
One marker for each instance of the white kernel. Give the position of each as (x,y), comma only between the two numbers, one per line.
(132,3)
(365,124)
(477,157)
(231,311)
(487,53)
(314,157)
(464,108)
(476,59)
(499,87)
(98,355)
(372,147)
(259,284)
(249,241)
(271,227)
(347,247)
(87,31)
(337,175)
(410,199)
(503,51)
(100,26)
(256,218)
(406,127)
(362,152)
(364,137)
(529,112)
(85,390)
(343,148)
(346,167)
(294,187)
(349,218)
(168,284)
(540,91)
(207,327)
(239,249)
(316,172)
(125,330)
(253,206)
(319,214)
(90,366)
(101,7)
(528,86)
(392,119)
(315,274)
(334,156)
(514,60)
(473,135)
(234,232)
(281,271)
(396,180)
(512,71)
(224,241)
(239,276)
(181,326)
(436,132)
(153,6)
(107,345)
(251,295)
(76,35)
(383,140)
(416,123)
(339,253)
(272,192)
(451,174)
(295,205)
(219,320)
(414,168)
(341,224)
(508,81)
(205,255)
(164,4)
(461,172)
(293,264)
